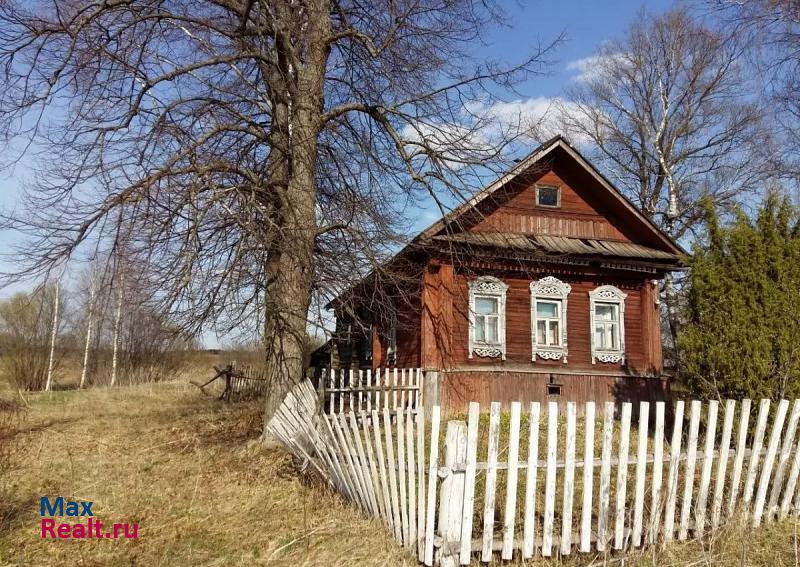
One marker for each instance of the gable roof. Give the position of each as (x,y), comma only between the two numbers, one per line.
(544,150)
(668,256)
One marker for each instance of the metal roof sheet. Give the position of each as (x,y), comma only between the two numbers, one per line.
(557,244)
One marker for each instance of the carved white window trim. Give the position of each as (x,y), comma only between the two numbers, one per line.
(489,287)
(613,295)
(549,289)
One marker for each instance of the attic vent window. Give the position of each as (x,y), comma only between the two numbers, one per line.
(548,196)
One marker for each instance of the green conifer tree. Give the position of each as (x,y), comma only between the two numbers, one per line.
(742,337)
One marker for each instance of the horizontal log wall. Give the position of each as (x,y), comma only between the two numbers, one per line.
(459,387)
(639,360)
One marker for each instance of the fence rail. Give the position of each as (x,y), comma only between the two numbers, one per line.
(654,480)
(364,390)
(245,381)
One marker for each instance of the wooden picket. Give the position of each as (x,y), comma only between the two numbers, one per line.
(244,381)
(445,509)
(360,391)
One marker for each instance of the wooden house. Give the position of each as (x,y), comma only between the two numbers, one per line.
(543,286)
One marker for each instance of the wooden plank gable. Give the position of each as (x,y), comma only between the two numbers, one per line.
(590,206)
(580,214)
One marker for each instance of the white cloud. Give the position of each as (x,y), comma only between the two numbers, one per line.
(594,66)
(487,127)
(532,119)
(456,144)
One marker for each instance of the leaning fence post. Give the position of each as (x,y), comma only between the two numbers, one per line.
(451,499)
(430,392)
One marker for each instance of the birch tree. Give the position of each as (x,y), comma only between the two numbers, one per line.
(26,332)
(665,112)
(89,326)
(48,385)
(117,322)
(248,141)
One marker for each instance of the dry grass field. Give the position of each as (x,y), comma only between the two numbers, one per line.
(204,491)
(189,470)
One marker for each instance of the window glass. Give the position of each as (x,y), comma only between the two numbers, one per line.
(491,334)
(541,331)
(548,196)
(480,334)
(547,309)
(605,312)
(599,336)
(554,338)
(486,305)
(605,336)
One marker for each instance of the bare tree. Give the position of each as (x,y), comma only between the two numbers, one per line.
(117,321)
(26,337)
(51,364)
(665,111)
(247,142)
(90,322)
(771,31)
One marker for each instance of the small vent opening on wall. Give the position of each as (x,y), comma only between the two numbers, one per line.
(553,389)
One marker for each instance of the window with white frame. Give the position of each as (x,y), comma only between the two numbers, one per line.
(549,318)
(487,317)
(607,304)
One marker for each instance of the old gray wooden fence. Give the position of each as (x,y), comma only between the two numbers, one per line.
(550,483)
(245,381)
(343,390)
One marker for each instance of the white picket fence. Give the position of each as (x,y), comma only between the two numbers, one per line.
(652,486)
(364,390)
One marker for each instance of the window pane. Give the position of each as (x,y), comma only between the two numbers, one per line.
(605,312)
(541,327)
(548,309)
(548,196)
(599,337)
(605,336)
(491,334)
(486,305)
(555,337)
(479,329)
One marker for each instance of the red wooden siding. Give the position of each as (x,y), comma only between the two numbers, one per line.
(642,332)
(458,388)
(408,335)
(433,330)
(582,213)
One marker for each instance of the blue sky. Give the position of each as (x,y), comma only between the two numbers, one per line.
(585,24)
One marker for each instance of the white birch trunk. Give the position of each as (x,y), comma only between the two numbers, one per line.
(51,364)
(88,335)
(117,319)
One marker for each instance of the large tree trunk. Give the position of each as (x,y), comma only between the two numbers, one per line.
(293,159)
(288,292)
(671,293)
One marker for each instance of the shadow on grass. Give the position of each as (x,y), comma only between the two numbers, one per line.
(15,510)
